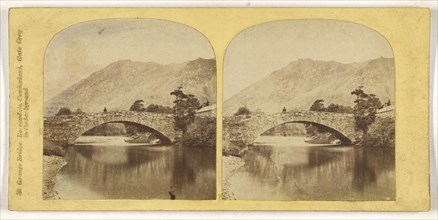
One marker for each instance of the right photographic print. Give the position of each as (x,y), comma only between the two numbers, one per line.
(309,113)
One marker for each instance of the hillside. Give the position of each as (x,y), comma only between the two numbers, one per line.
(299,84)
(119,84)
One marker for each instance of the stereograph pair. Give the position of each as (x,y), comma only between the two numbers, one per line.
(172,104)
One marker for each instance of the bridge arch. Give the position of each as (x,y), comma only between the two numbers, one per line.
(243,131)
(339,135)
(162,137)
(64,130)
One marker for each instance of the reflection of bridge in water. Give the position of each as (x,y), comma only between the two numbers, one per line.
(144,172)
(243,130)
(319,172)
(65,129)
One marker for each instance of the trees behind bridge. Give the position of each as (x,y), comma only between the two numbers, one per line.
(242,111)
(318,105)
(68,111)
(138,106)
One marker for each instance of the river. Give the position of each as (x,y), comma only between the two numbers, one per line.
(287,168)
(110,168)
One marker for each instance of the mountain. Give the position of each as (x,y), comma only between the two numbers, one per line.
(119,84)
(299,84)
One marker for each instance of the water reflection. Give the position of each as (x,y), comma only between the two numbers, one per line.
(311,172)
(137,172)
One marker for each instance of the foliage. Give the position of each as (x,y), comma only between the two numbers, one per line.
(339,108)
(365,109)
(318,105)
(381,134)
(242,111)
(201,133)
(184,109)
(158,109)
(137,106)
(52,149)
(64,111)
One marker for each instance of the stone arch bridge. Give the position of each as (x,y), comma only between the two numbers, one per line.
(243,130)
(64,130)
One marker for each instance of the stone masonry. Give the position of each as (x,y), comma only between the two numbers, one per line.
(65,129)
(243,130)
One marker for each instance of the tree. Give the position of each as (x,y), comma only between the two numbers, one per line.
(317,105)
(64,111)
(242,111)
(184,109)
(365,109)
(138,106)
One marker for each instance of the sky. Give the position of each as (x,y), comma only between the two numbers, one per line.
(259,50)
(81,49)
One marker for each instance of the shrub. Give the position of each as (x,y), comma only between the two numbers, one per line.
(137,106)
(201,133)
(242,111)
(51,149)
(381,134)
(64,111)
(158,108)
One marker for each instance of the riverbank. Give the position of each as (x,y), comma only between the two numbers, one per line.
(231,165)
(51,166)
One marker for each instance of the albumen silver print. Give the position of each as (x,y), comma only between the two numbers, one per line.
(309,113)
(129,112)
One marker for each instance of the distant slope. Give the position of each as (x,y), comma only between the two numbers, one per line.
(119,84)
(300,83)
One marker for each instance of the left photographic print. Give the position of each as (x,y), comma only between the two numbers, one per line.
(129,112)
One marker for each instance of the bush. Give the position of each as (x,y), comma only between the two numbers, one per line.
(201,133)
(51,149)
(242,111)
(339,108)
(158,108)
(381,134)
(64,111)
